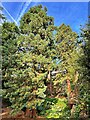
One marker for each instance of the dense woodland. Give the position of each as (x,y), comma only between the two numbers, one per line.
(45,68)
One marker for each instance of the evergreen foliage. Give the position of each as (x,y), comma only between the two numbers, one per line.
(40,65)
(85,69)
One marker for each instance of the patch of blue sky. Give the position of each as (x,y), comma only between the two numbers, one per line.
(70,13)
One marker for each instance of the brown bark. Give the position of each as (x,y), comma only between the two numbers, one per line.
(49,85)
(34,114)
(28,113)
(68,86)
(51,89)
(70,94)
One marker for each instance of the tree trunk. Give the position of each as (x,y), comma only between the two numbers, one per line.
(50,86)
(34,114)
(28,113)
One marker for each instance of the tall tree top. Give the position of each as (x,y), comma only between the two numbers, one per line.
(36,19)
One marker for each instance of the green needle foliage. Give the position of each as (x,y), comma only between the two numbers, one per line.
(67,54)
(85,69)
(9,34)
(38,59)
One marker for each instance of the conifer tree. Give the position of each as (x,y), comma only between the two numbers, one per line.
(33,60)
(85,69)
(67,54)
(9,33)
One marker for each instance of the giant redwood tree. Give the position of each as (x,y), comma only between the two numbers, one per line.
(27,81)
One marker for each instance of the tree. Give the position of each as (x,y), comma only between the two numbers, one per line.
(2,17)
(26,87)
(85,70)
(9,33)
(67,55)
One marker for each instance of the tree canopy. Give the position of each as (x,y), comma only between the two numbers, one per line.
(41,66)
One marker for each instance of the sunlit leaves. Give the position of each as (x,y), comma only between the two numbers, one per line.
(37,60)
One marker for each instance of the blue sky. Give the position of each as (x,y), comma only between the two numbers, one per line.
(70,13)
